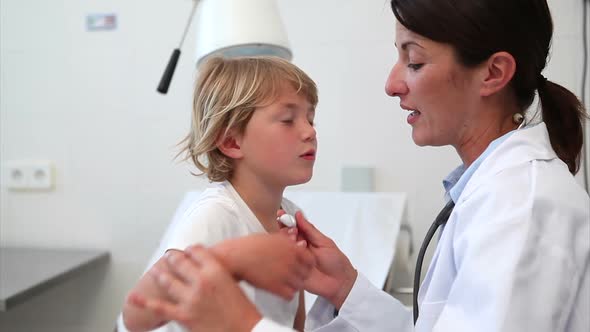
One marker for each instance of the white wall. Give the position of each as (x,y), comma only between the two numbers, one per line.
(87,101)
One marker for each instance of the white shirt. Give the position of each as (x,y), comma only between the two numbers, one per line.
(219,214)
(514,255)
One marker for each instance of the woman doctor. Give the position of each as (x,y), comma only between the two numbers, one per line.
(514,252)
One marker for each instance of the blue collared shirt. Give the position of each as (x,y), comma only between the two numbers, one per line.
(455,182)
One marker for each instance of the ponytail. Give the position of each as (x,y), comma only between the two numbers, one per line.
(563,114)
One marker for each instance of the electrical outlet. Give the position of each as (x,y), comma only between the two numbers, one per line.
(28,175)
(14,176)
(40,175)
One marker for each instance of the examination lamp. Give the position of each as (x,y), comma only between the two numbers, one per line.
(232,28)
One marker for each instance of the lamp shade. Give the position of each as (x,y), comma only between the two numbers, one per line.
(240,28)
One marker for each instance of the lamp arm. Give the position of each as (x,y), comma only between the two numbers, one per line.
(171,67)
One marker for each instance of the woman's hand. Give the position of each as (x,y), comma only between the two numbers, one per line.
(202,295)
(135,315)
(334,275)
(273,262)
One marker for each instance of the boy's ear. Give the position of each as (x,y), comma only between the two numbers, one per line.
(498,72)
(229,145)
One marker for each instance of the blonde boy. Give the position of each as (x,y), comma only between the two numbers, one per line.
(252,134)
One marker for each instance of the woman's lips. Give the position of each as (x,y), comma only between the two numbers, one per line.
(413,117)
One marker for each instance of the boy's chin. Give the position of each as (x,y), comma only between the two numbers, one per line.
(301,180)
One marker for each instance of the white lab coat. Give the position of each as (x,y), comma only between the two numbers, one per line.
(514,255)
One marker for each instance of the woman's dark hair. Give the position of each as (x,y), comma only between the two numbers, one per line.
(476,29)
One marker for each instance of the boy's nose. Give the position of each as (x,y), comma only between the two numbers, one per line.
(309,132)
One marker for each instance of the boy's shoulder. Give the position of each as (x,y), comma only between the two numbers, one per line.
(215,198)
(212,216)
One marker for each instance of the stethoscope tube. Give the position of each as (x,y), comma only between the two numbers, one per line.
(441,219)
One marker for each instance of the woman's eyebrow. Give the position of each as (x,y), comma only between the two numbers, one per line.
(407,44)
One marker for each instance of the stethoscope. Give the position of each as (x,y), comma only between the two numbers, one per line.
(441,219)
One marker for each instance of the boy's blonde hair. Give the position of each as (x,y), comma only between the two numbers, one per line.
(226,94)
